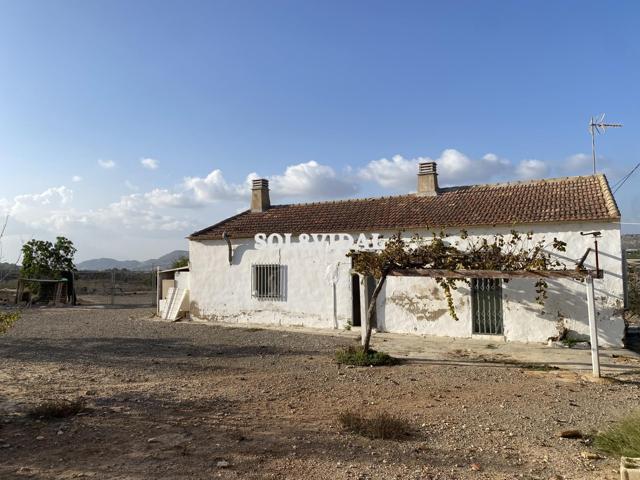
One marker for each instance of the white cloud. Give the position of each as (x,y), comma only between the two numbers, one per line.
(135,212)
(52,210)
(578,163)
(306,180)
(163,198)
(106,164)
(397,173)
(149,163)
(529,169)
(212,188)
(76,178)
(49,209)
(582,164)
(454,168)
(311,180)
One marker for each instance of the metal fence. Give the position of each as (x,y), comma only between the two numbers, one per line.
(8,284)
(116,287)
(634,285)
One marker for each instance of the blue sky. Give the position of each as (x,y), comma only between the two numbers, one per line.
(327,99)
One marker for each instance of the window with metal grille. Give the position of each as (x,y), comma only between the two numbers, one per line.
(486,304)
(268,281)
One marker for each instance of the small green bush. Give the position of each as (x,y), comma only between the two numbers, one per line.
(7,319)
(378,425)
(181,262)
(51,409)
(621,439)
(358,357)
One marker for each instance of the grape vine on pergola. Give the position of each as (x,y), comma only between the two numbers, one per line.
(504,258)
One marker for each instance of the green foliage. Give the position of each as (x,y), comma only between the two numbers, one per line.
(379,425)
(45,260)
(570,342)
(359,357)
(513,252)
(7,319)
(181,262)
(622,439)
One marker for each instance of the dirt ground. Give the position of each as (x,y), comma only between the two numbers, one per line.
(192,401)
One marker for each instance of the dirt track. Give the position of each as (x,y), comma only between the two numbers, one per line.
(172,400)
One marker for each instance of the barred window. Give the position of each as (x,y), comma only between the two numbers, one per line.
(486,304)
(268,281)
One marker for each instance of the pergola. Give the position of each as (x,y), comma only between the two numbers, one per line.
(577,274)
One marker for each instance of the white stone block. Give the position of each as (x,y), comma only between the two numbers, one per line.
(629,468)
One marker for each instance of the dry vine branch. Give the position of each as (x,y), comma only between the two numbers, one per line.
(517,252)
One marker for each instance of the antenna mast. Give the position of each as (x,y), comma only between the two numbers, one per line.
(598,126)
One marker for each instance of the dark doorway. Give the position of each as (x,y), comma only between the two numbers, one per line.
(355,295)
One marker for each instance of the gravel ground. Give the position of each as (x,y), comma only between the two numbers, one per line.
(193,401)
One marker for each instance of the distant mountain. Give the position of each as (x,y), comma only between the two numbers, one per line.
(631,241)
(164,261)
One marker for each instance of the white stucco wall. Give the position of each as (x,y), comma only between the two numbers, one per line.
(220,291)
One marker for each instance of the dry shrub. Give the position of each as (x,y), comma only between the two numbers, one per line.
(358,357)
(378,425)
(51,409)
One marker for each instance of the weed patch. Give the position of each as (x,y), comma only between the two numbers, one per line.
(621,439)
(379,425)
(358,357)
(539,367)
(7,319)
(52,409)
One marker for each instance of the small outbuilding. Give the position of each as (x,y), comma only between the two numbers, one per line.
(172,293)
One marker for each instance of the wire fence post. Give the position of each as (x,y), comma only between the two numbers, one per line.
(113,285)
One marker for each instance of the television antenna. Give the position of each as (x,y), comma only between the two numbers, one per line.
(598,125)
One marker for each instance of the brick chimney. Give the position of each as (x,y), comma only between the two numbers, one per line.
(427,179)
(260,195)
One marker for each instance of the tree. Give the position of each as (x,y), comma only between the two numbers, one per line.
(45,260)
(181,262)
(7,319)
(516,252)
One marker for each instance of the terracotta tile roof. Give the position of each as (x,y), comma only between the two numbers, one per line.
(567,199)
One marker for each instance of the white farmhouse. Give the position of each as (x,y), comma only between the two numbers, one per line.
(307,280)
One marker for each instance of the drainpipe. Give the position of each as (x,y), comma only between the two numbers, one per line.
(225,237)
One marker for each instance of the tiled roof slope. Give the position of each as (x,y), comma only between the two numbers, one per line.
(567,199)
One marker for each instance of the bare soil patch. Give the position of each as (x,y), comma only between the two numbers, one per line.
(193,401)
